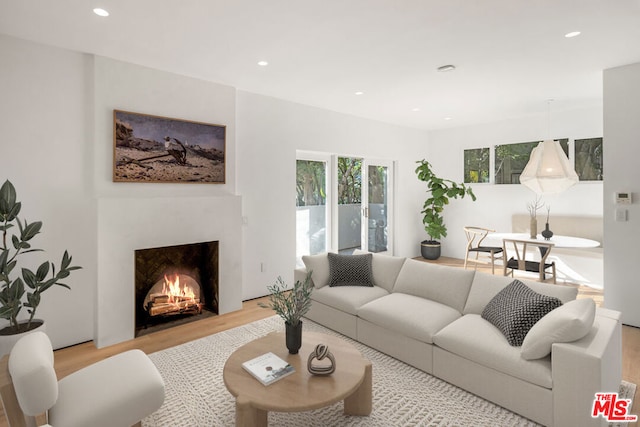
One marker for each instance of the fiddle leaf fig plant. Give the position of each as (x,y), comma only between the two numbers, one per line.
(440,191)
(23,289)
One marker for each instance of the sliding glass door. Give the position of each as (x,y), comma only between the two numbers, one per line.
(343,204)
(349,204)
(378,206)
(312,211)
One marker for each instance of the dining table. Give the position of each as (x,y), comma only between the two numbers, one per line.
(559,241)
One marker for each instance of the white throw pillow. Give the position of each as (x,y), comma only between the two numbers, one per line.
(319,264)
(566,323)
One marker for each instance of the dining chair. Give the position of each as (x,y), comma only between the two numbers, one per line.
(520,261)
(475,236)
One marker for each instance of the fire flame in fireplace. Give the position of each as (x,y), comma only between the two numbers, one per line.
(173,290)
(174,298)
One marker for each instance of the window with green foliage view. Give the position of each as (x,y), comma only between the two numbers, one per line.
(512,158)
(589,159)
(476,165)
(310,183)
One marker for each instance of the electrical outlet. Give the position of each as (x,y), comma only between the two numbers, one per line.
(263,267)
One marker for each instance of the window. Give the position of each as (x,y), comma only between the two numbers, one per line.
(476,165)
(589,159)
(512,158)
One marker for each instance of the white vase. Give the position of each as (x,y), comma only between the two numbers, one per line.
(8,341)
(533,228)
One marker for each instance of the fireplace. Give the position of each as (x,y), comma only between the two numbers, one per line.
(175,285)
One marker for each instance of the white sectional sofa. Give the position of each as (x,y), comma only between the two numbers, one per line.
(430,316)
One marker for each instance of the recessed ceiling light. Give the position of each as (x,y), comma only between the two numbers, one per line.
(359,93)
(446,68)
(100,12)
(572,34)
(263,63)
(447,118)
(415,109)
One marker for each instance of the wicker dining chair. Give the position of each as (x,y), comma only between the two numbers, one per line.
(520,261)
(475,236)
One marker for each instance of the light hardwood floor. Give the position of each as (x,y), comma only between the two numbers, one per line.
(70,359)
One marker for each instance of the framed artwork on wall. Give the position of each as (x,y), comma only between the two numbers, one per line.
(158,149)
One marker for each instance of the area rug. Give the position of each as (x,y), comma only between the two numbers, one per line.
(402,395)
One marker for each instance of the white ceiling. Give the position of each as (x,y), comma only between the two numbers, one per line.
(511,55)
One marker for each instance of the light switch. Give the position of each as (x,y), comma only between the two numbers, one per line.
(621,214)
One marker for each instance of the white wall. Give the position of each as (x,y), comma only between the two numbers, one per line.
(45,118)
(497,203)
(269,133)
(57,149)
(622,136)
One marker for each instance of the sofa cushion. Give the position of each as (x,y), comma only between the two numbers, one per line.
(515,309)
(347,298)
(350,270)
(385,269)
(409,315)
(567,323)
(319,266)
(473,338)
(446,285)
(486,286)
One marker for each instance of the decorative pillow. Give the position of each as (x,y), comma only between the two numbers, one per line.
(567,323)
(516,308)
(350,270)
(319,267)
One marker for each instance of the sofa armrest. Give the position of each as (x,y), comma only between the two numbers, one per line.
(582,368)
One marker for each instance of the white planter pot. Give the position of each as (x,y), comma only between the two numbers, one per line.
(8,341)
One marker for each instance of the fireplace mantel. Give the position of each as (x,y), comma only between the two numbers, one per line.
(126,224)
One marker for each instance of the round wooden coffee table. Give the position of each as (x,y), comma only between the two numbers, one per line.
(299,391)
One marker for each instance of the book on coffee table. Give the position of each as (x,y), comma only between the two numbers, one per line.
(268,368)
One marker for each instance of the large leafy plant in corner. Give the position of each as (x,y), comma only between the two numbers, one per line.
(440,191)
(23,287)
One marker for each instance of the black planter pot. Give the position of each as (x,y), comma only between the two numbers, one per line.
(293,337)
(430,249)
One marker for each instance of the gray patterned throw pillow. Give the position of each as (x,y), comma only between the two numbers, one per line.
(350,270)
(516,308)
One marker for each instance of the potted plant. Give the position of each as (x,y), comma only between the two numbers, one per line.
(291,305)
(440,191)
(22,287)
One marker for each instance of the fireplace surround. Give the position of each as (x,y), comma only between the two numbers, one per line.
(127,224)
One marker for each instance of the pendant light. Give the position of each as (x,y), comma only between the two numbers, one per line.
(548,170)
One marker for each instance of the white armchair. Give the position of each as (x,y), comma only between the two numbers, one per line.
(118,391)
